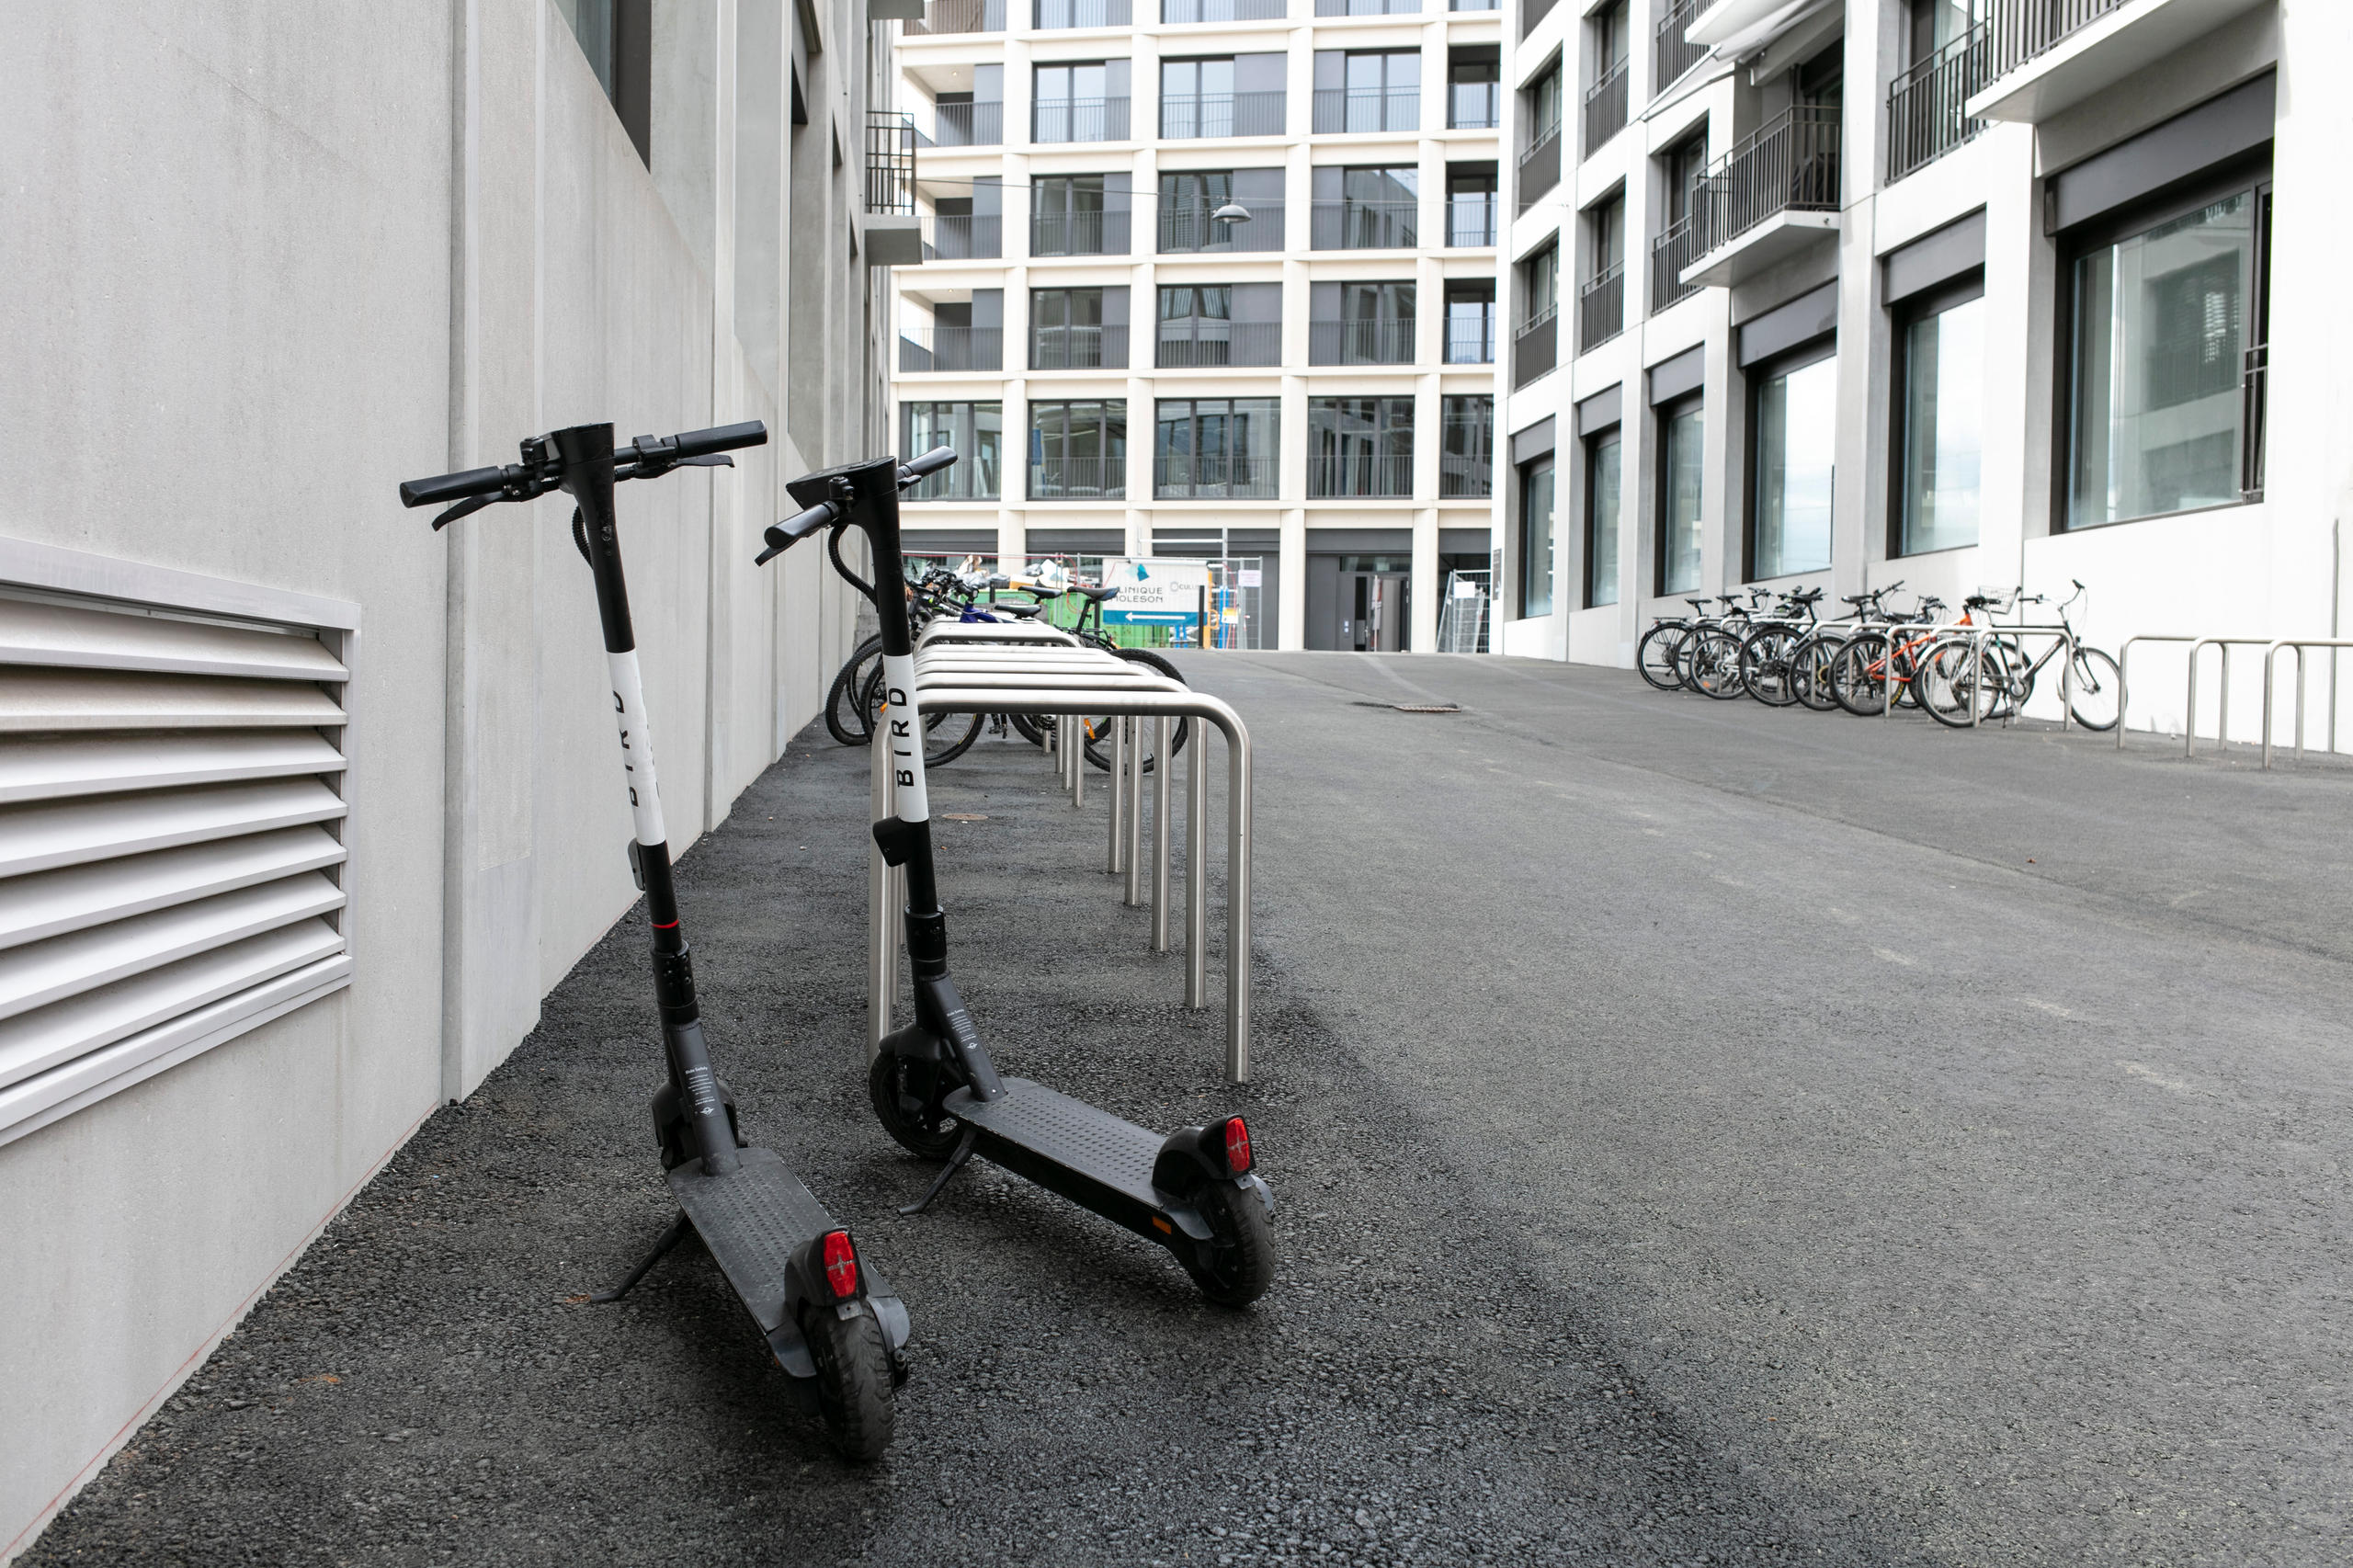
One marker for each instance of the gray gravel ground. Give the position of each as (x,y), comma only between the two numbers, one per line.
(1701,1134)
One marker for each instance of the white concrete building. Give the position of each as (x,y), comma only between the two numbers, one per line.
(1954,293)
(303,806)
(1306,380)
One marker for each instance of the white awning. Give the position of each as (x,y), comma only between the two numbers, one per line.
(1734,29)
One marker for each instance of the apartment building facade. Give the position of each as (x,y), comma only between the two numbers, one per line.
(1211,277)
(1957,293)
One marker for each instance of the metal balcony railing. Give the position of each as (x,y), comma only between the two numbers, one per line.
(1540,168)
(969,125)
(1601,307)
(1367,7)
(965,236)
(1464,477)
(1360,475)
(1341,110)
(1361,342)
(1192,115)
(1670,253)
(889,163)
(922,348)
(1079,479)
(2254,377)
(1473,105)
(962,16)
(1533,12)
(1605,108)
(1535,348)
(963,481)
(1078,348)
(1364,225)
(1192,344)
(1079,119)
(1471,342)
(2021,30)
(1924,117)
(1790,165)
(1672,55)
(1046,15)
(1471,218)
(1179,477)
(1194,228)
(1079,233)
(1175,12)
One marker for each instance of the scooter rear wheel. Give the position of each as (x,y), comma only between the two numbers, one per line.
(853,1382)
(906,1096)
(1236,1265)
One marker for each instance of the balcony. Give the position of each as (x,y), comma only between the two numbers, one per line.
(969,125)
(1192,343)
(1533,12)
(965,236)
(1367,7)
(1049,14)
(1196,230)
(1473,105)
(1773,195)
(1471,342)
(893,232)
(1605,108)
(1199,116)
(1361,342)
(1671,53)
(1364,225)
(1471,219)
(1926,115)
(1078,348)
(2044,56)
(962,16)
(1345,110)
(1178,477)
(1079,119)
(1079,233)
(1601,308)
(1079,479)
(1464,475)
(1361,476)
(1177,13)
(1540,168)
(1536,348)
(925,349)
(1671,253)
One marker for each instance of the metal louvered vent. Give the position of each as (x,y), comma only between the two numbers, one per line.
(171,841)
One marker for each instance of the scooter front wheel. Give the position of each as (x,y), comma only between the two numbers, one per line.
(906,1095)
(1234,1266)
(853,1382)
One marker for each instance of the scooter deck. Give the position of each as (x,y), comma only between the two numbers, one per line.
(1095,1159)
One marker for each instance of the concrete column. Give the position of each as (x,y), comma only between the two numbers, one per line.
(1291,622)
(1422,633)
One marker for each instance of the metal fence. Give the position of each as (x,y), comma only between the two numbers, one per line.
(1228,343)
(1363,475)
(1364,225)
(1181,478)
(965,236)
(1671,253)
(1189,116)
(1078,120)
(951,348)
(1080,348)
(889,163)
(1470,341)
(1789,164)
(1924,105)
(1079,479)
(969,125)
(1471,218)
(1605,108)
(1045,14)
(1601,307)
(1540,168)
(2023,30)
(1194,228)
(1361,342)
(1671,53)
(1367,108)
(1462,615)
(1079,233)
(960,17)
(1175,12)
(1535,348)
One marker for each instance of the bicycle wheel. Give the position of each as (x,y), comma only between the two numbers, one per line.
(1099,731)
(1856,674)
(2095,689)
(1654,655)
(945,736)
(1715,664)
(1958,684)
(845,715)
(1765,665)
(1810,663)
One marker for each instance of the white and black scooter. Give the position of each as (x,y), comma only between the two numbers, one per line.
(833,1324)
(1195,1192)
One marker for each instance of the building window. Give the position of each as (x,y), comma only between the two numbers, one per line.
(1359,446)
(1084,100)
(1680,170)
(974,429)
(1535,343)
(618,38)
(1216,448)
(1793,425)
(1079,215)
(1373,209)
(1939,415)
(1602,451)
(1473,88)
(1466,467)
(2162,388)
(1220,324)
(1681,464)
(1360,324)
(1078,329)
(1470,205)
(1251,200)
(1049,14)
(1366,7)
(1078,451)
(1536,537)
(1601,297)
(1234,95)
(975,118)
(1368,90)
(1470,322)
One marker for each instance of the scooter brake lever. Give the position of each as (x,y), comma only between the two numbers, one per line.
(464,508)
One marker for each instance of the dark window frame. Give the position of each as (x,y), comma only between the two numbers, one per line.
(1902,316)
(1586,444)
(1797,357)
(1663,417)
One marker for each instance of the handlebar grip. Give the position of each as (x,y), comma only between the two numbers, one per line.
(930,462)
(793,530)
(721,439)
(453,486)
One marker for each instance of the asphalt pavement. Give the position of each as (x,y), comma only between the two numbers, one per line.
(1700,1134)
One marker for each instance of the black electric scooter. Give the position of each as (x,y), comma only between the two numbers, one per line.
(833,1323)
(1195,1192)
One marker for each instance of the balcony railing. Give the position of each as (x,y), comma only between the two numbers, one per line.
(1361,342)
(1194,229)
(1464,477)
(2021,30)
(963,481)
(1471,218)
(1078,348)
(1079,233)
(1601,307)
(1364,225)
(1079,119)
(1175,12)
(1079,479)
(1924,105)
(922,348)
(965,236)
(1605,108)
(889,163)
(1790,165)
(1535,348)
(1191,345)
(1361,475)
(1672,54)
(1473,105)
(1196,115)
(1367,7)
(970,125)
(1471,342)
(1533,12)
(1052,14)
(1177,477)
(1540,168)
(962,16)
(1671,253)
(1367,108)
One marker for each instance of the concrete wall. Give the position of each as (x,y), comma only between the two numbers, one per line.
(264,263)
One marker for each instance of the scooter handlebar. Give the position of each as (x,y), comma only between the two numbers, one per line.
(783,536)
(453,486)
(720,438)
(931,462)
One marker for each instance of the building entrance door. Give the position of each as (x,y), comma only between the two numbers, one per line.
(1384,610)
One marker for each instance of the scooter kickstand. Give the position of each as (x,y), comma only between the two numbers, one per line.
(670,1238)
(955,1162)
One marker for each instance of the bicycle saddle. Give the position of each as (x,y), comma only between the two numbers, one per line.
(1699,606)
(1097,594)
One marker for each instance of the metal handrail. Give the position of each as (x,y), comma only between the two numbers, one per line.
(2271,656)
(2124,678)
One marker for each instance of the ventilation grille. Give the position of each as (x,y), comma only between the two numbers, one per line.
(171,842)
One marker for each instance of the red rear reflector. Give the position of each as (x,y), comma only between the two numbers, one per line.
(841,1265)
(1237,1146)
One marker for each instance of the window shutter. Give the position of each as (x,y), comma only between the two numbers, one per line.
(171,842)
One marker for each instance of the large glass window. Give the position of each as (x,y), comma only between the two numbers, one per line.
(1078,451)
(2159,354)
(1467,459)
(1078,329)
(974,429)
(1794,425)
(1470,322)
(1359,446)
(1940,410)
(1681,465)
(1536,537)
(1215,447)
(1079,215)
(1602,492)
